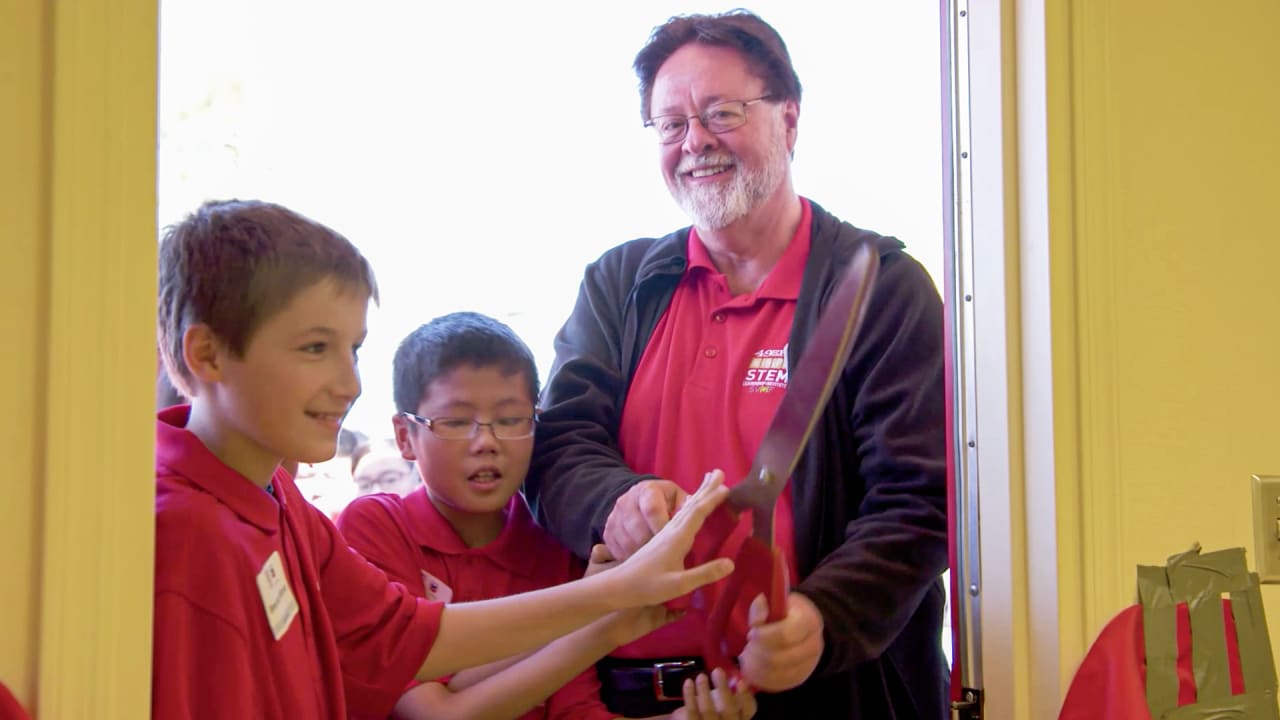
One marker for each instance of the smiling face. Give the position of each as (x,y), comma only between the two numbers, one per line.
(287,395)
(470,480)
(719,179)
(384,471)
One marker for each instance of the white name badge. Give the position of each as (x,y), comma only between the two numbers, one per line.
(277,598)
(435,587)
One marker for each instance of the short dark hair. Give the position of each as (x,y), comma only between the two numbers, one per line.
(740,30)
(451,341)
(350,442)
(233,264)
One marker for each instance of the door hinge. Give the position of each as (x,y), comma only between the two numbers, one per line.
(969,706)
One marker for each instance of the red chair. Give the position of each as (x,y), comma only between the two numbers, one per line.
(10,708)
(1176,655)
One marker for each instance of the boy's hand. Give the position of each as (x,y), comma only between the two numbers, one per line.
(724,701)
(656,573)
(783,654)
(624,626)
(599,561)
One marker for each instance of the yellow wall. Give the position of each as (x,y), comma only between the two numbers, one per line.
(77,212)
(1166,258)
(23,291)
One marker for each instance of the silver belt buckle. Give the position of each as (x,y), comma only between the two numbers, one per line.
(659,691)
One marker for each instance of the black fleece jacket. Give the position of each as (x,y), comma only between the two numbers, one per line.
(869,492)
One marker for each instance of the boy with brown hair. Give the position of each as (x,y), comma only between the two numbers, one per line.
(466,391)
(261,608)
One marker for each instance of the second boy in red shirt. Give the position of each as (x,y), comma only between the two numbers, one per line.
(466,388)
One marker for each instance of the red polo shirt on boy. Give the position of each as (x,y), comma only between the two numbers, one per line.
(703,395)
(410,540)
(261,609)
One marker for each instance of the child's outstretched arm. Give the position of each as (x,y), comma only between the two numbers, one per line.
(599,561)
(480,632)
(514,690)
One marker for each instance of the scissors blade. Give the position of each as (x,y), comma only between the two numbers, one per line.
(809,387)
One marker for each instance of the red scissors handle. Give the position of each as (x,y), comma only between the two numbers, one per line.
(758,569)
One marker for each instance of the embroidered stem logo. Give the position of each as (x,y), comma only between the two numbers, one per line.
(767,371)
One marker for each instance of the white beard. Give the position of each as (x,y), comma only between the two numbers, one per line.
(715,207)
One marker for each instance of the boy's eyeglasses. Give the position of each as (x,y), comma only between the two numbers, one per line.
(459,428)
(718,118)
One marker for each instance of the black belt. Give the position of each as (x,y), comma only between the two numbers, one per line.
(644,687)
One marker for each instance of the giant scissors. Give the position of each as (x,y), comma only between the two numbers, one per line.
(760,566)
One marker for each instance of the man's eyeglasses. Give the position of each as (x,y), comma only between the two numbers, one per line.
(459,428)
(718,118)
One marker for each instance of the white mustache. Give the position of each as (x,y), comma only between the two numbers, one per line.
(690,164)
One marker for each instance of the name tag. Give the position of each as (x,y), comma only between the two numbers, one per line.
(435,587)
(277,598)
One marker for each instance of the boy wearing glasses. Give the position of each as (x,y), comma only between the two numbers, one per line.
(261,608)
(465,389)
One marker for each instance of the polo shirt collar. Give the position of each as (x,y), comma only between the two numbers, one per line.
(783,280)
(179,452)
(513,549)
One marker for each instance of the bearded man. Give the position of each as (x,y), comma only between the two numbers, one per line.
(673,362)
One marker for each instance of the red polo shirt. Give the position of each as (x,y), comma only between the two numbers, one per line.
(703,395)
(414,544)
(261,609)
